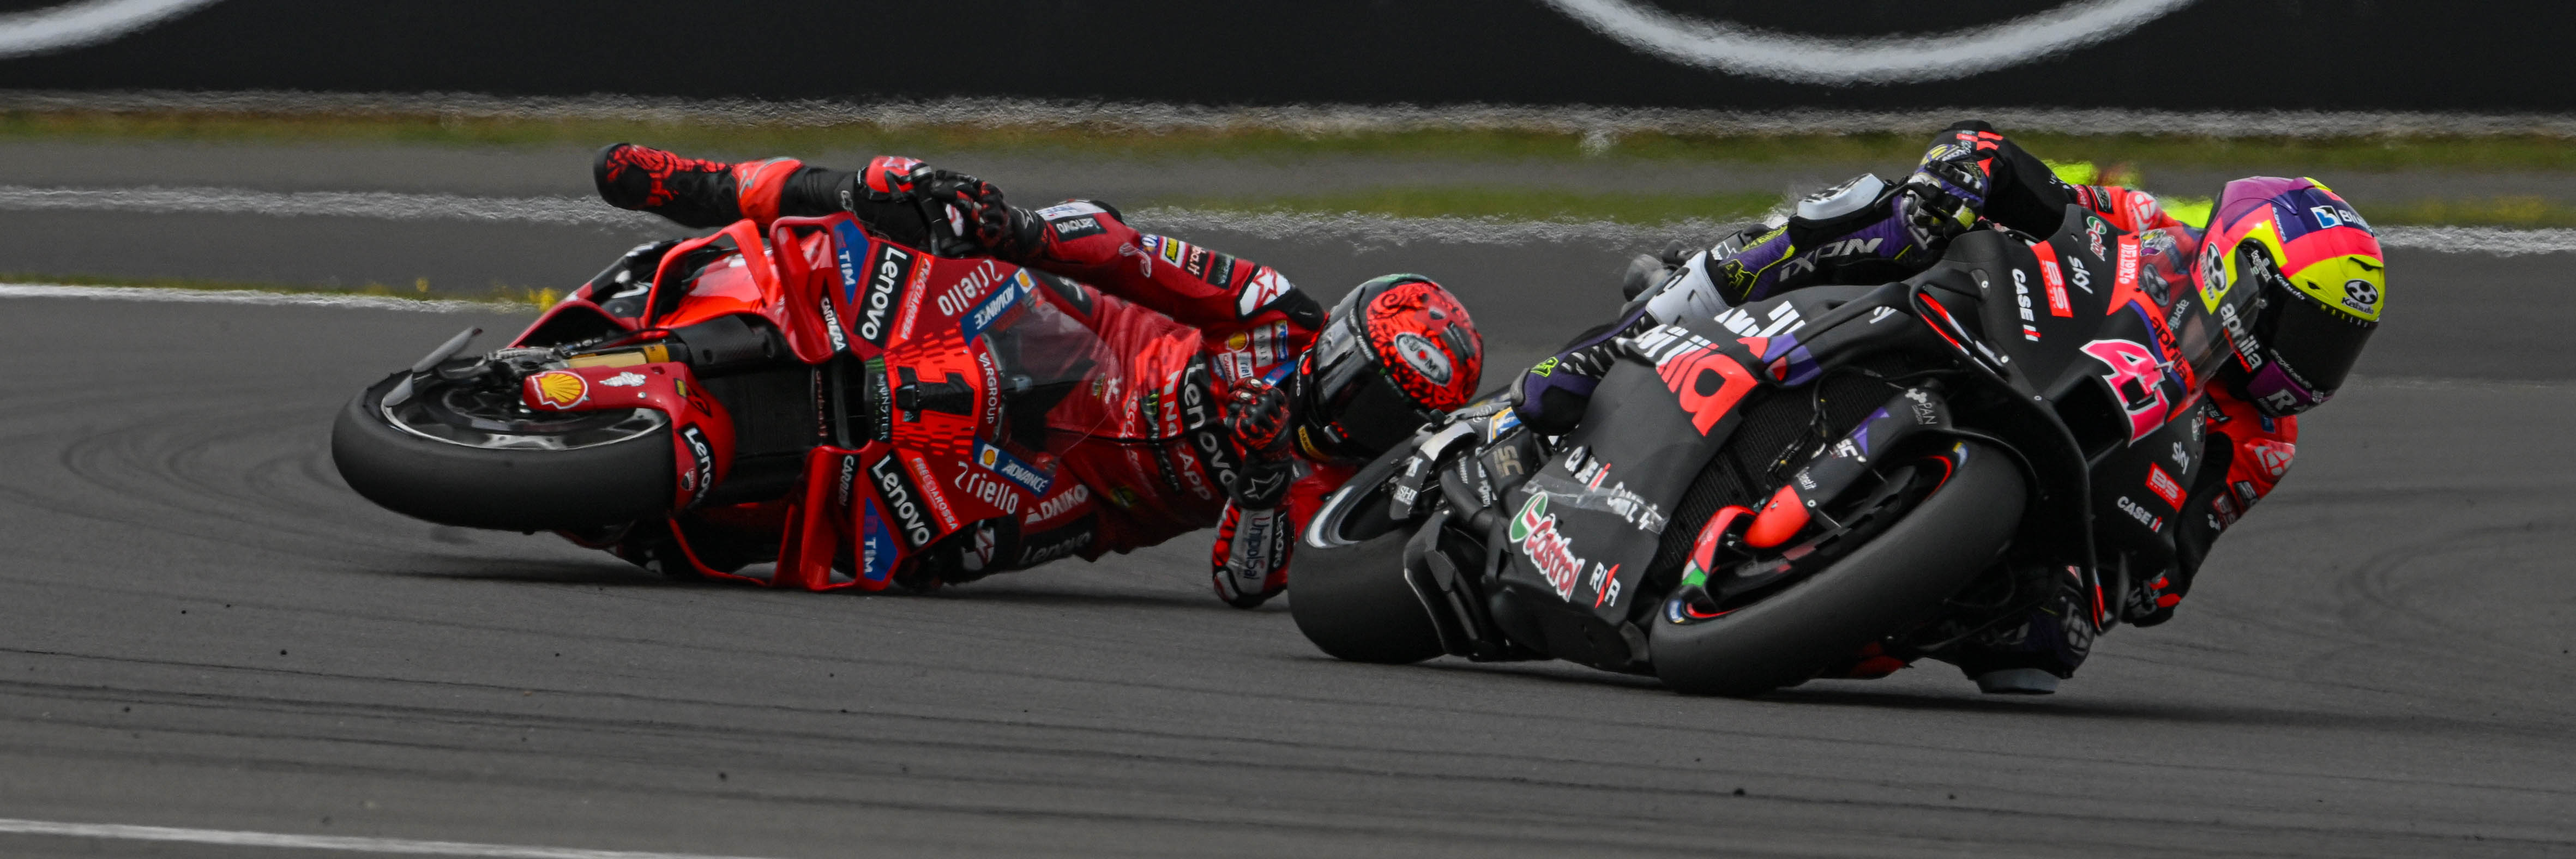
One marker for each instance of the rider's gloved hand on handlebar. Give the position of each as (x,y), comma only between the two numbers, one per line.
(961,215)
(962,209)
(1256,414)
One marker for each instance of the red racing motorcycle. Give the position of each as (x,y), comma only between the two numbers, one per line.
(827,400)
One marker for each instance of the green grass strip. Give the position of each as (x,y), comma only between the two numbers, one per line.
(2294,155)
(1653,209)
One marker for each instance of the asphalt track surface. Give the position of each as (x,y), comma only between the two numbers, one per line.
(200,626)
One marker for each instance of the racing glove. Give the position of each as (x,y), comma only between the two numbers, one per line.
(1257,416)
(1553,395)
(1253,540)
(1251,554)
(946,212)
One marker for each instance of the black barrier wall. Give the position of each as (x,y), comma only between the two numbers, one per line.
(2213,54)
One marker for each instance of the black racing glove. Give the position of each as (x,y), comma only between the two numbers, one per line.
(1257,415)
(966,212)
(957,214)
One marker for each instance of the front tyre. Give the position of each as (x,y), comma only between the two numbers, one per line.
(459,454)
(1353,603)
(1893,581)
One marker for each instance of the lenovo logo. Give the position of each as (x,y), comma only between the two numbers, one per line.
(889,269)
(902,500)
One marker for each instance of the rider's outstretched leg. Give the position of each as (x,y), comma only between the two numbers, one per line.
(1089,241)
(696,192)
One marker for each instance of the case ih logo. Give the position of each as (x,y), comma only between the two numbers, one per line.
(901,500)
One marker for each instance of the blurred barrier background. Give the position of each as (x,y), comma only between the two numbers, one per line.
(2381,55)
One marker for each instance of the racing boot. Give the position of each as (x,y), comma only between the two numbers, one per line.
(703,194)
(1858,232)
(2027,655)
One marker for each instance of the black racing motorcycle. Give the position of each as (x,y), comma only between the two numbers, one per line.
(1762,494)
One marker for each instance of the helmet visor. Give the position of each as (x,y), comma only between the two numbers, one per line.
(2317,345)
(1370,414)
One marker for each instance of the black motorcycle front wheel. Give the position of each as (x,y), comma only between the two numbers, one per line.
(1897,578)
(459,454)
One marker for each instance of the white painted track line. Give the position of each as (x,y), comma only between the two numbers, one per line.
(1355,227)
(344,843)
(251,296)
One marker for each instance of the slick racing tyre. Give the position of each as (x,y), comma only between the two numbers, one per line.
(465,456)
(1928,530)
(1350,597)
(1353,603)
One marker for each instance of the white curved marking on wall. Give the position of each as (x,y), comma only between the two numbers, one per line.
(73,25)
(1889,59)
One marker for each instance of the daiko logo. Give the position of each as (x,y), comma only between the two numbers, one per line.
(1737,49)
(73,25)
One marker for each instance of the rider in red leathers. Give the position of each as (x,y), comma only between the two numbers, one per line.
(1224,412)
(2319,267)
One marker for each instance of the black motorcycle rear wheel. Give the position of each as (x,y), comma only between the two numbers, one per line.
(1893,581)
(455,455)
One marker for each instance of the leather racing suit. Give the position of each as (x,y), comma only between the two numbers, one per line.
(1971,172)
(1193,327)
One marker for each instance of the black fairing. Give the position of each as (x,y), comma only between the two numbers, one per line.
(2084,354)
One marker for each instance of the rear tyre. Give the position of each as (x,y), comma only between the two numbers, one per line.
(455,456)
(1353,603)
(1894,581)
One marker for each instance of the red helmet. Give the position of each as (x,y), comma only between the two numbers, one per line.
(1397,352)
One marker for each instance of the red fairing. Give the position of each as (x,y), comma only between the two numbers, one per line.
(702,431)
(1140,451)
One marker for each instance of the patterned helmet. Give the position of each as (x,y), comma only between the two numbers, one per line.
(2323,285)
(1397,352)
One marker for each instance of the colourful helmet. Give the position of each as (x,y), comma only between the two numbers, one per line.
(2323,285)
(1397,352)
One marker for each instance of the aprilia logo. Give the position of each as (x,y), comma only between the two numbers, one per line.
(902,500)
(1708,383)
(889,268)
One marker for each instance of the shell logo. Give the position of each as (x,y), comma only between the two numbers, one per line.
(556,389)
